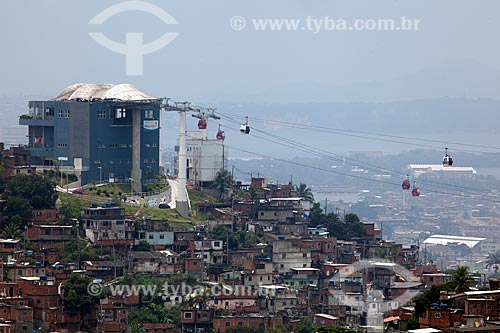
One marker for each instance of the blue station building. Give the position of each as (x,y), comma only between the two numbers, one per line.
(99,132)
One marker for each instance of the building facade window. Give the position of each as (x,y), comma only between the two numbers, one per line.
(148,114)
(121,113)
(60,114)
(101,114)
(66,114)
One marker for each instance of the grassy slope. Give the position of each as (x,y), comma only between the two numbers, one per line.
(170,215)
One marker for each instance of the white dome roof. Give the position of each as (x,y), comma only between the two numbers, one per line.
(88,92)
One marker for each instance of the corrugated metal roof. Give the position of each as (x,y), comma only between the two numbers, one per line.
(447,239)
(440,167)
(88,92)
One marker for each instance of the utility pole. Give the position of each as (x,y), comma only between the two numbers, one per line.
(100,174)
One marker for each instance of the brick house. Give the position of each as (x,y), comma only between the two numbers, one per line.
(257,321)
(107,226)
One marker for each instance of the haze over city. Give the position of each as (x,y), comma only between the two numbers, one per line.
(297,75)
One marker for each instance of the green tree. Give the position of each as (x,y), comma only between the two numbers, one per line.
(18,211)
(11,231)
(253,193)
(73,251)
(238,239)
(461,279)
(316,216)
(142,246)
(38,190)
(223,180)
(76,297)
(333,329)
(304,192)
(493,260)
(346,229)
(305,326)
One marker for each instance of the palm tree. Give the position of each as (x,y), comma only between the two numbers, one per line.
(11,231)
(222,181)
(304,192)
(493,260)
(461,279)
(252,192)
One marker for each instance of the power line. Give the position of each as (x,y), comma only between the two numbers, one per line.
(321,153)
(344,132)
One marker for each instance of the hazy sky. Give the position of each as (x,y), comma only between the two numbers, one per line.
(46,46)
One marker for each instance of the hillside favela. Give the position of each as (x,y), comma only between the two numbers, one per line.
(259,167)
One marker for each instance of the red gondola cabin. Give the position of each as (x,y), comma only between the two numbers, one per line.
(220,135)
(202,124)
(415,192)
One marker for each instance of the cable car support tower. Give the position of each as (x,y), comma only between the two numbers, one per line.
(182,203)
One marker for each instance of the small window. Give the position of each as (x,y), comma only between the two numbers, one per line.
(228,324)
(437,315)
(283,255)
(151,236)
(148,114)
(66,114)
(101,114)
(121,113)
(188,315)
